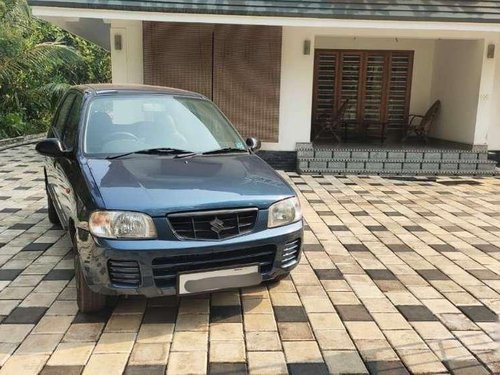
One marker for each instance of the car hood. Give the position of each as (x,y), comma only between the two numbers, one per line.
(158,185)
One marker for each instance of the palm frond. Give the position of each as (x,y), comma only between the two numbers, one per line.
(54,91)
(19,13)
(43,56)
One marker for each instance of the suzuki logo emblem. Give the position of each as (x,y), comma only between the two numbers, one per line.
(217,225)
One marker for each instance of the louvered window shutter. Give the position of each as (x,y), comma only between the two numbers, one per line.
(399,89)
(350,84)
(325,85)
(376,83)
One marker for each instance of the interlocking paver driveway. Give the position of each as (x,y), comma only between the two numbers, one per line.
(396,277)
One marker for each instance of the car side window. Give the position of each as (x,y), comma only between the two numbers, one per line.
(73,119)
(62,115)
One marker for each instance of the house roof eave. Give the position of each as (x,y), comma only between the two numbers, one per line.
(435,10)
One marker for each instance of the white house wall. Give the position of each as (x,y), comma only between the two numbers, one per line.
(127,63)
(456,82)
(296,89)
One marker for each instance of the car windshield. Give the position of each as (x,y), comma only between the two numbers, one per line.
(120,124)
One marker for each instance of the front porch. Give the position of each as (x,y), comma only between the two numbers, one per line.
(437,157)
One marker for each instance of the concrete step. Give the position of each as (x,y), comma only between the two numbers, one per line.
(395,161)
(434,155)
(397,167)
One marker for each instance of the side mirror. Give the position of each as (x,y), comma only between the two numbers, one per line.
(253,143)
(50,147)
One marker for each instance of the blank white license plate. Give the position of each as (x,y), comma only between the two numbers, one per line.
(198,282)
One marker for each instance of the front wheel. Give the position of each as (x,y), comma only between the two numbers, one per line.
(88,301)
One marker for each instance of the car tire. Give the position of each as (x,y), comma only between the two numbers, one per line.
(52,213)
(88,301)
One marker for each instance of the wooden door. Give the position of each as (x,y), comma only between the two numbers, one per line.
(376,83)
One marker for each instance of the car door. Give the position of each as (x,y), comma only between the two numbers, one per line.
(67,168)
(54,182)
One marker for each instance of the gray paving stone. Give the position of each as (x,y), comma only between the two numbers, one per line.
(417,313)
(25,315)
(443,248)
(62,370)
(381,274)
(290,314)
(488,248)
(356,247)
(479,314)
(329,274)
(387,368)
(433,274)
(227,368)
(353,313)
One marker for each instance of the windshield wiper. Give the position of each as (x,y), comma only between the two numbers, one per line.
(158,150)
(224,150)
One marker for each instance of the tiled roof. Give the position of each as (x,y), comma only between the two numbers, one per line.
(430,10)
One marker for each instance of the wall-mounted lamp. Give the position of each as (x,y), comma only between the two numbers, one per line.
(307,47)
(490,52)
(118,42)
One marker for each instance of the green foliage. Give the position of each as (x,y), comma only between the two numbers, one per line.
(38,61)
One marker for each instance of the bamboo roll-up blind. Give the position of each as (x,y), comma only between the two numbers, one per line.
(178,55)
(236,66)
(247,78)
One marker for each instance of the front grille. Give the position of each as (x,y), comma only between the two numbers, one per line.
(124,273)
(165,269)
(290,253)
(213,225)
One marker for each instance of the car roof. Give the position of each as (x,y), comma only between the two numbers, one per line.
(107,88)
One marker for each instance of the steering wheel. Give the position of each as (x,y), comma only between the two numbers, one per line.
(120,135)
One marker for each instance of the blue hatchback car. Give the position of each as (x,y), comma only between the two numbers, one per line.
(160,195)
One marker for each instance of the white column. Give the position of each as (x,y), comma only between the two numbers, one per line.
(494,126)
(297,71)
(127,63)
(486,106)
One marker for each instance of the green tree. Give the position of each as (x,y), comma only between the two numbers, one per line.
(37,63)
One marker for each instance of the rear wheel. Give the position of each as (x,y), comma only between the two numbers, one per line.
(52,213)
(88,301)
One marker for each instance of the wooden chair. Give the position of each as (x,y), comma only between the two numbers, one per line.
(421,129)
(332,122)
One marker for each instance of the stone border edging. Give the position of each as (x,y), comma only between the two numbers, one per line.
(19,141)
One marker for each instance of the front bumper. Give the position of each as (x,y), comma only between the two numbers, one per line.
(96,256)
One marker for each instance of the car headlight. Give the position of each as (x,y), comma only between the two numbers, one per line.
(284,212)
(121,224)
